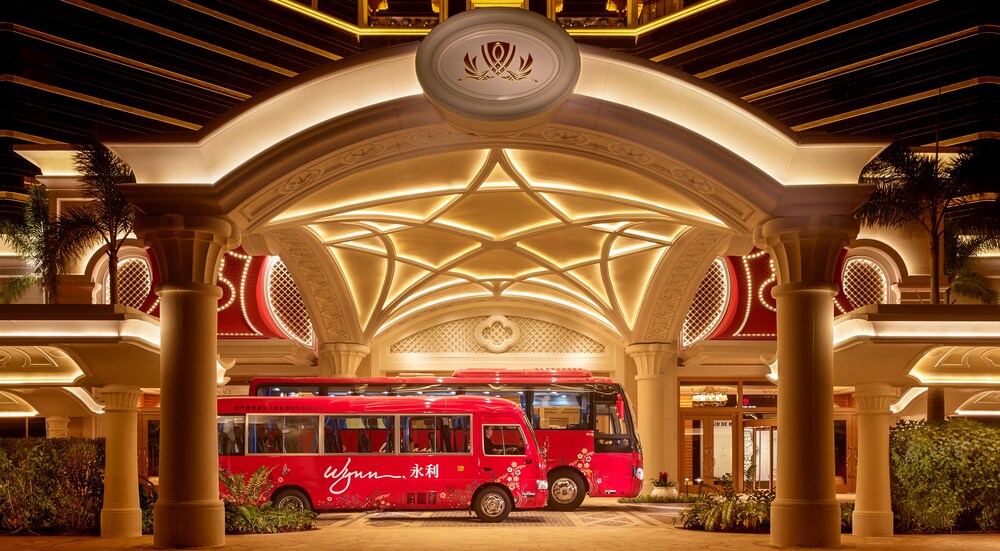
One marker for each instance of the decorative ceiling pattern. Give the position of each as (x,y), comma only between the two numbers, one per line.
(496,224)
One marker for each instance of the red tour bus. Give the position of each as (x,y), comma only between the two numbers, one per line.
(583,422)
(363,453)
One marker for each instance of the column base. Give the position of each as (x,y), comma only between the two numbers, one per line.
(805,523)
(877,524)
(121,523)
(189,524)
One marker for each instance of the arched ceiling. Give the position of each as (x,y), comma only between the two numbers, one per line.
(500,223)
(611,210)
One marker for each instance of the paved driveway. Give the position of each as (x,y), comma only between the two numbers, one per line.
(600,525)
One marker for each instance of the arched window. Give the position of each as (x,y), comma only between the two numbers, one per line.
(865,281)
(709,304)
(134,281)
(284,302)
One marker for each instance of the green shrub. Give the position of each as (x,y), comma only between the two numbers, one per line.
(724,510)
(945,476)
(51,486)
(846,518)
(147,499)
(248,509)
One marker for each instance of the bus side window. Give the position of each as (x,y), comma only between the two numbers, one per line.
(610,431)
(561,409)
(333,435)
(231,435)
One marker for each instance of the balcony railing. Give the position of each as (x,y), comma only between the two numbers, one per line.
(369,17)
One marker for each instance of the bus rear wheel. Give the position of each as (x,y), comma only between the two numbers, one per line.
(492,504)
(290,498)
(566,490)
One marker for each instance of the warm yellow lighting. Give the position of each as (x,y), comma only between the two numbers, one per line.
(907,397)
(575,293)
(430,304)
(347,27)
(545,298)
(632,33)
(14,406)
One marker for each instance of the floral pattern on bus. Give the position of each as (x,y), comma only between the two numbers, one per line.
(582,463)
(512,480)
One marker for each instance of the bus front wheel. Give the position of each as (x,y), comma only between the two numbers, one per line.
(492,504)
(290,498)
(566,490)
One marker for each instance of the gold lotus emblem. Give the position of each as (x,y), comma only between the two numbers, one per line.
(498,57)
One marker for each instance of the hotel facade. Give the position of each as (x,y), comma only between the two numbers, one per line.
(503,194)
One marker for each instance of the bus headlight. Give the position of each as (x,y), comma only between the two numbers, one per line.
(638,473)
(542,484)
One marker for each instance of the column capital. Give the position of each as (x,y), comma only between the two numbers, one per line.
(875,398)
(805,248)
(341,359)
(56,426)
(120,397)
(651,358)
(187,248)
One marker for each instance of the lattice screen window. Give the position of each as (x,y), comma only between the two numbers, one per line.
(134,282)
(285,303)
(535,337)
(709,305)
(865,282)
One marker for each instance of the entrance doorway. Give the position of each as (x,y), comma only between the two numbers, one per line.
(760,453)
(709,448)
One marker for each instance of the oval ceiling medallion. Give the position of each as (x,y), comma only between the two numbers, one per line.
(498,70)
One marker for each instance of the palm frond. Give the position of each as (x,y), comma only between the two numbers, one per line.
(13,288)
(975,286)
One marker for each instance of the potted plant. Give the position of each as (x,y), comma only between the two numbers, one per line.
(664,487)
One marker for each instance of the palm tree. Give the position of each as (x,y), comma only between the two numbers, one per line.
(108,217)
(917,190)
(41,242)
(960,256)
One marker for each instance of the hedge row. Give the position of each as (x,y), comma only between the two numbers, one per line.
(51,486)
(945,476)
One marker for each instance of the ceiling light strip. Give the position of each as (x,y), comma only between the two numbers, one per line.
(966,139)
(14,134)
(816,37)
(742,28)
(98,101)
(897,102)
(181,37)
(865,63)
(260,30)
(121,60)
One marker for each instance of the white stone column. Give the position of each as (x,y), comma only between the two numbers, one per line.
(656,384)
(341,359)
(873,504)
(56,426)
(805,250)
(120,515)
(188,250)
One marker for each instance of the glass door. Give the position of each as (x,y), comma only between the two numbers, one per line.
(760,453)
(708,442)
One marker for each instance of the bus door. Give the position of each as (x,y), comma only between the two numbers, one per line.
(616,450)
(503,457)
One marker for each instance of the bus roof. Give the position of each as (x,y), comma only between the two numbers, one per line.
(365,404)
(465,377)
